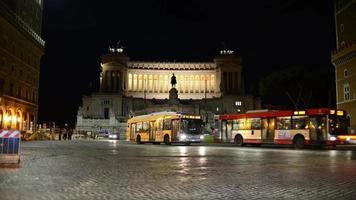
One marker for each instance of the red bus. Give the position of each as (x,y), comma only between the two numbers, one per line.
(321,126)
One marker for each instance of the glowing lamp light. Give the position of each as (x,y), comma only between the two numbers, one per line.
(14,119)
(332,138)
(332,112)
(7,118)
(340,113)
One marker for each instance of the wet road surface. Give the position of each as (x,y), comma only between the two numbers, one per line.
(121,170)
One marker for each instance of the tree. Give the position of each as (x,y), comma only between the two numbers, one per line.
(299,87)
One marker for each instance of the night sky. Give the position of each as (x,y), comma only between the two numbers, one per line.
(269,35)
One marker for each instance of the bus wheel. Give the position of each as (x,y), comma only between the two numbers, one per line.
(138,140)
(239,140)
(166,140)
(298,142)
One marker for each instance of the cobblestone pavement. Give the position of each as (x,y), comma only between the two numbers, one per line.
(121,170)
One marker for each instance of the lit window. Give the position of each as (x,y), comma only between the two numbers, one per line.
(347,92)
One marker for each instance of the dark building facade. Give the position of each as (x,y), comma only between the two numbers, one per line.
(344,58)
(21,49)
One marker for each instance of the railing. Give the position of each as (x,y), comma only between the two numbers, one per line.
(17,21)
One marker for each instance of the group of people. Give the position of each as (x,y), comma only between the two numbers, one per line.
(67,134)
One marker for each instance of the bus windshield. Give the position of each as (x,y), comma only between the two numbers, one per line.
(192,126)
(338,125)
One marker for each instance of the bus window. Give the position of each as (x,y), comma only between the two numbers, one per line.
(299,122)
(243,124)
(338,124)
(235,124)
(192,126)
(159,125)
(167,124)
(283,123)
(139,126)
(145,126)
(255,123)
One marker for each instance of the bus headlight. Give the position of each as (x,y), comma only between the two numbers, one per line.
(182,137)
(202,137)
(332,138)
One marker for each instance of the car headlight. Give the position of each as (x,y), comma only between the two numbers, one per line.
(332,138)
(202,137)
(114,136)
(183,137)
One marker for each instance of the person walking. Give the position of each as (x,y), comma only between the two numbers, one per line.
(70,133)
(60,134)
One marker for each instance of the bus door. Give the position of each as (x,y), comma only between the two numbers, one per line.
(268,130)
(317,129)
(152,136)
(175,128)
(224,131)
(228,131)
(133,132)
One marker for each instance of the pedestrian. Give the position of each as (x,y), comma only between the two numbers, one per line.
(60,135)
(65,134)
(70,133)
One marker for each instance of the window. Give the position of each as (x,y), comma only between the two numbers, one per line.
(167,124)
(139,126)
(235,124)
(145,126)
(238,103)
(244,124)
(345,73)
(160,125)
(283,123)
(347,92)
(255,123)
(299,122)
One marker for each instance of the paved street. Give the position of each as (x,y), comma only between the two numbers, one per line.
(121,170)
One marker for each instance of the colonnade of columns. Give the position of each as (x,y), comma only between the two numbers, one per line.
(160,83)
(111,81)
